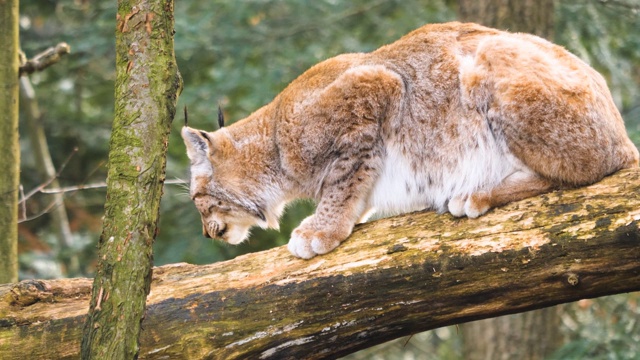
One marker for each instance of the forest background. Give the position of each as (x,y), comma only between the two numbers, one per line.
(240,54)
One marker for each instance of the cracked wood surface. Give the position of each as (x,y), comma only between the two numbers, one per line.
(391,278)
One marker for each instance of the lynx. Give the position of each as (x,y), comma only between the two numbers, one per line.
(452,117)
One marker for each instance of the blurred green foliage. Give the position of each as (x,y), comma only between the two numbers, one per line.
(602,329)
(240,54)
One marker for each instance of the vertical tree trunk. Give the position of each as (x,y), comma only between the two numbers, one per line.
(530,16)
(530,335)
(9,147)
(147,86)
(536,334)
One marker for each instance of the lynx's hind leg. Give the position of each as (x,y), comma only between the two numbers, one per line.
(553,111)
(517,186)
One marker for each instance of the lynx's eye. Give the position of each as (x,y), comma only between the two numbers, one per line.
(218,206)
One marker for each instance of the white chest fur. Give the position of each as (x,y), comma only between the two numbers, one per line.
(401,188)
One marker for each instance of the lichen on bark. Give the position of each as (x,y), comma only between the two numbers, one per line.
(147,87)
(9,147)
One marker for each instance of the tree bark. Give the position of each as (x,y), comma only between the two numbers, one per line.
(9,146)
(517,336)
(147,86)
(530,16)
(391,278)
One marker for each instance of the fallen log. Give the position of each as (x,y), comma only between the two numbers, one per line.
(391,278)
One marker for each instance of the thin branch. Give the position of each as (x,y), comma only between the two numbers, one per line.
(67,189)
(46,210)
(90,174)
(42,189)
(23,198)
(50,180)
(45,59)
(22,205)
(97,185)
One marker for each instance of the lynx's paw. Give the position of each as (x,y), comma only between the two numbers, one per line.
(307,242)
(456,206)
(471,206)
(300,246)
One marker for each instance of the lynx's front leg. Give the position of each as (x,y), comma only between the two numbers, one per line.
(343,202)
(351,110)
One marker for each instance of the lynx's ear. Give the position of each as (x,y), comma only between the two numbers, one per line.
(198,144)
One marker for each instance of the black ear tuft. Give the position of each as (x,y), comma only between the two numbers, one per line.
(220,117)
(185,115)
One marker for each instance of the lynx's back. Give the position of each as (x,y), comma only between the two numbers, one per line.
(481,104)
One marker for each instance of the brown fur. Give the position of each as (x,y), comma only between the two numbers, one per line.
(452,116)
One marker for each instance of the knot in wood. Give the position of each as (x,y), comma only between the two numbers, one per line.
(397,248)
(29,292)
(573,279)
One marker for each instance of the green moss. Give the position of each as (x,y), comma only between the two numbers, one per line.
(137,159)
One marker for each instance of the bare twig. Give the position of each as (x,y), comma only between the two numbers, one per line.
(46,210)
(97,185)
(67,189)
(46,183)
(22,205)
(42,189)
(44,59)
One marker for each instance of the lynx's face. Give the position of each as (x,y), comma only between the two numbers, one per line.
(227,205)
(221,218)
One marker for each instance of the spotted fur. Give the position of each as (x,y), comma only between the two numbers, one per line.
(452,117)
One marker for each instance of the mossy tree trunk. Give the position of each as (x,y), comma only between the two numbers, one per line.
(536,334)
(9,147)
(391,278)
(147,86)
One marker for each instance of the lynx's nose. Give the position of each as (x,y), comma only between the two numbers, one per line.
(217,231)
(221,231)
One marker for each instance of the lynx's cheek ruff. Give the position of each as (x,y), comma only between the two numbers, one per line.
(451,117)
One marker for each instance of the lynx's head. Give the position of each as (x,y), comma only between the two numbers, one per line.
(224,189)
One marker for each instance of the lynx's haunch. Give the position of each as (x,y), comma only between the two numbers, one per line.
(451,117)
